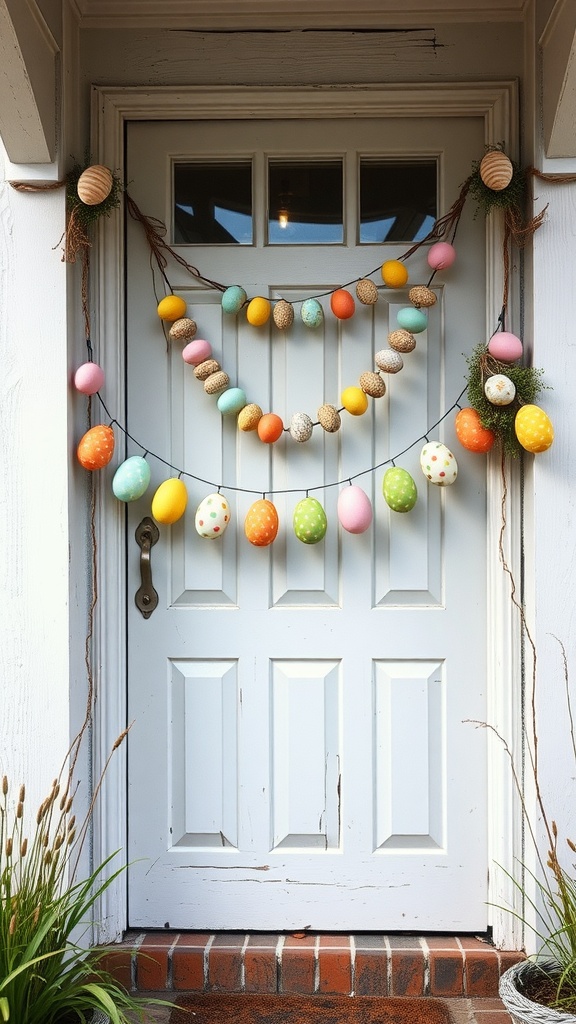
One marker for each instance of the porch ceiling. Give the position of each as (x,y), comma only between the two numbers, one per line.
(270,14)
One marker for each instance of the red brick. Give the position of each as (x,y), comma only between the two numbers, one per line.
(118,963)
(225,963)
(152,961)
(481,973)
(188,970)
(508,958)
(446,973)
(298,965)
(334,972)
(492,1017)
(371,972)
(260,970)
(407,972)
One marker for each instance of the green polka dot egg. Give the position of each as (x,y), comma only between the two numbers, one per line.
(399,489)
(310,521)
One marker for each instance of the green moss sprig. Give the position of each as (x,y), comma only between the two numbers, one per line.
(528,381)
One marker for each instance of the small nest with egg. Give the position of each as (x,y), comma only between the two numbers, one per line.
(513,196)
(84,215)
(501,418)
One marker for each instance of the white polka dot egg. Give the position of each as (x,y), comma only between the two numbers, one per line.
(438,464)
(212,516)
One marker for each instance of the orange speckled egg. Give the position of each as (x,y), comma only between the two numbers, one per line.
(342,304)
(470,432)
(96,448)
(270,427)
(261,523)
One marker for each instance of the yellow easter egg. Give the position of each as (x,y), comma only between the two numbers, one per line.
(394,274)
(533,429)
(354,401)
(171,307)
(258,311)
(169,502)
(261,523)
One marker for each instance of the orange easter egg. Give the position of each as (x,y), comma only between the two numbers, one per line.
(470,432)
(270,427)
(96,448)
(342,304)
(261,523)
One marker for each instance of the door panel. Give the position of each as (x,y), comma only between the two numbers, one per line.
(299,755)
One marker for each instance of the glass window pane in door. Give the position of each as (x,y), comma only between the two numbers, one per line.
(213,203)
(305,202)
(397,199)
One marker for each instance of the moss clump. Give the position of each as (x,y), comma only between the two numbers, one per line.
(500,418)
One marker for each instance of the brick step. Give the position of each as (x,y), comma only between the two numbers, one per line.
(305,964)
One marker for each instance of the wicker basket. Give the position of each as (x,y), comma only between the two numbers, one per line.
(523,1010)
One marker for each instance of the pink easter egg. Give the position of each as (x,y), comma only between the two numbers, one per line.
(505,347)
(89,378)
(354,509)
(441,255)
(196,351)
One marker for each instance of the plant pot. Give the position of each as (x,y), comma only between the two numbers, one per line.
(523,1010)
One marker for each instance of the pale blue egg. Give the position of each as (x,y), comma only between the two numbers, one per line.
(412,319)
(231,401)
(131,479)
(233,299)
(312,313)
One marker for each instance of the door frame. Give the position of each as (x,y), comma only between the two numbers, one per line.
(112,108)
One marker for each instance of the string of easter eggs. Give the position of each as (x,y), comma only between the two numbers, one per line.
(438,464)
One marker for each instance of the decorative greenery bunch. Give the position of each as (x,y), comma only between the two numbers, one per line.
(528,381)
(488,199)
(45,976)
(84,214)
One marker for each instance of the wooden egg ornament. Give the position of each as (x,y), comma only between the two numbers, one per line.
(131,479)
(470,432)
(441,255)
(233,299)
(496,170)
(89,378)
(311,313)
(310,523)
(197,352)
(399,489)
(354,509)
(411,319)
(342,304)
(394,274)
(212,516)
(95,184)
(402,341)
(270,428)
(169,501)
(354,401)
(389,361)
(171,308)
(249,417)
(261,523)
(96,447)
(505,347)
(420,295)
(438,464)
(183,329)
(366,292)
(301,427)
(372,384)
(283,314)
(258,312)
(499,389)
(329,418)
(231,401)
(533,429)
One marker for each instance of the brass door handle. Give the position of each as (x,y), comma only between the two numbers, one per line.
(146,598)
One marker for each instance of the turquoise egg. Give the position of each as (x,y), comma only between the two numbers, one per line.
(399,489)
(312,313)
(310,521)
(231,401)
(233,299)
(131,479)
(412,319)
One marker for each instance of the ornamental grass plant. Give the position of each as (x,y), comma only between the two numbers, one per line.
(46,976)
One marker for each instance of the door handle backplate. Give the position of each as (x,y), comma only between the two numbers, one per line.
(146,598)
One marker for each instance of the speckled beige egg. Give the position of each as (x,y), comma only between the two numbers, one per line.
(205,369)
(249,417)
(367,292)
(94,185)
(216,383)
(420,295)
(283,314)
(183,329)
(329,418)
(372,384)
(301,427)
(402,341)
(496,170)
(388,360)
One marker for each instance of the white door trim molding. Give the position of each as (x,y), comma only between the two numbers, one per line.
(497,104)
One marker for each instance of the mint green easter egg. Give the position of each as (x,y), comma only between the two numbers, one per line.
(310,521)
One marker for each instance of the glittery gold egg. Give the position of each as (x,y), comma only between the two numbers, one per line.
(94,185)
(367,292)
(372,384)
(283,314)
(420,295)
(183,329)
(216,382)
(249,417)
(203,370)
(496,170)
(329,418)
(402,341)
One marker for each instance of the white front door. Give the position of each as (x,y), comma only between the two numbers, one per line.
(299,755)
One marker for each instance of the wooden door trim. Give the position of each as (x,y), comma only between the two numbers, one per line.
(112,108)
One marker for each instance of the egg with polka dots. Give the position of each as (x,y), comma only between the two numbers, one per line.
(212,516)
(310,521)
(533,429)
(399,490)
(261,523)
(438,464)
